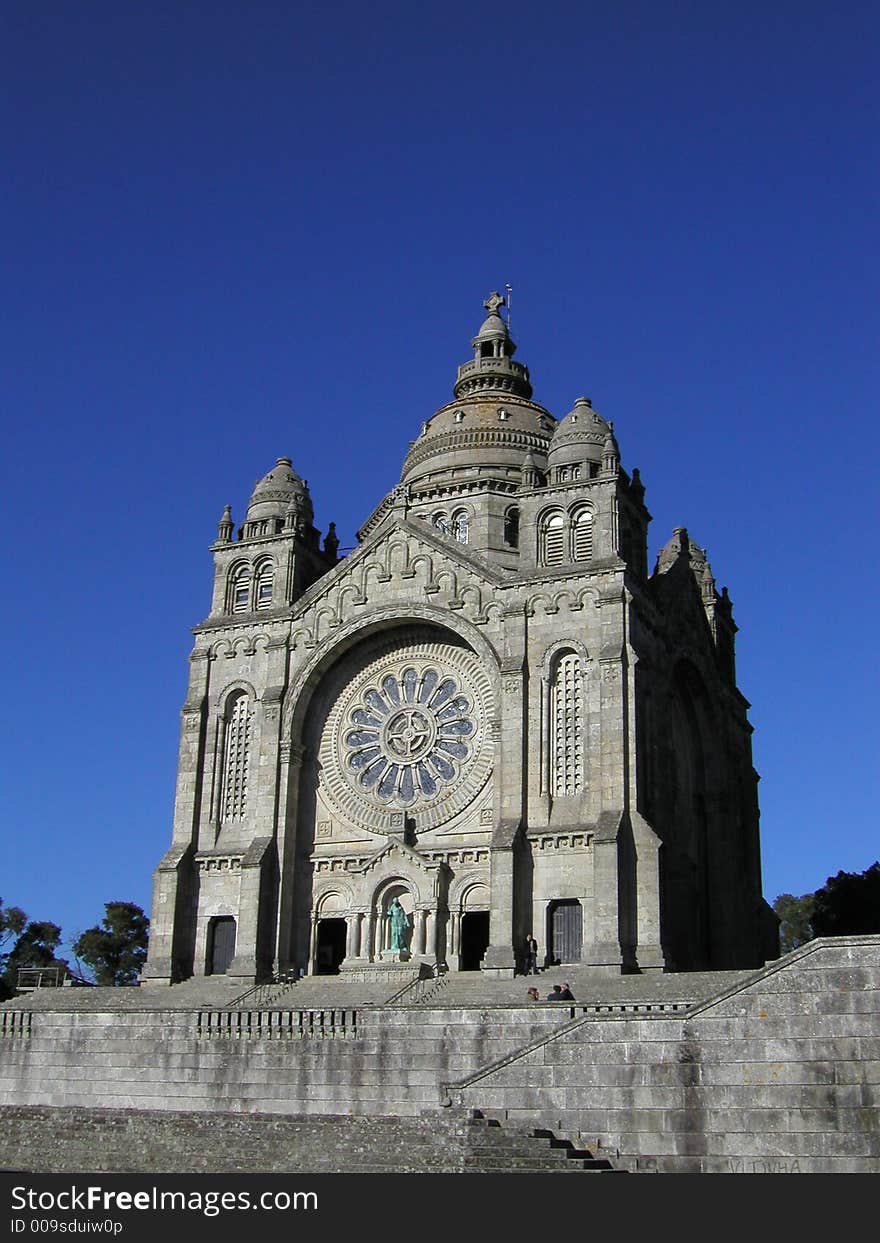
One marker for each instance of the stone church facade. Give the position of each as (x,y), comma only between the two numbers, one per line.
(490,712)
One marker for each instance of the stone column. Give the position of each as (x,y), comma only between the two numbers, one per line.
(290,760)
(430,934)
(455,934)
(511,764)
(605,949)
(172,929)
(419,930)
(255,860)
(350,936)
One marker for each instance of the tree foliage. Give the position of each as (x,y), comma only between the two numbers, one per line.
(34,945)
(117,948)
(848,904)
(795,916)
(12,924)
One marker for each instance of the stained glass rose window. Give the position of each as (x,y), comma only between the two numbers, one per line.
(409,735)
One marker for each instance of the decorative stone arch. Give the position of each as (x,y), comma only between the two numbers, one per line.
(510,528)
(563,690)
(469,931)
(552,533)
(319,700)
(333,899)
(581,527)
(239,579)
(552,650)
(460,520)
(304,684)
(221,699)
(233,738)
(264,575)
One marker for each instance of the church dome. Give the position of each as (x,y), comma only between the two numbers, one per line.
(580,436)
(493,424)
(278,492)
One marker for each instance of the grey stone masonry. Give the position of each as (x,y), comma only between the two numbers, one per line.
(489,714)
(775,1069)
(780,1073)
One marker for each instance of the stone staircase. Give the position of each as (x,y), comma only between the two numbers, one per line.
(38,1139)
(595,991)
(491,1148)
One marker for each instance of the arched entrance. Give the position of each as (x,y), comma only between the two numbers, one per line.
(221,944)
(384,898)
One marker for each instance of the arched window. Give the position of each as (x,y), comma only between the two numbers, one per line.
(511,527)
(440,523)
(236,754)
(552,539)
(567,727)
(264,585)
(459,526)
(582,536)
(240,589)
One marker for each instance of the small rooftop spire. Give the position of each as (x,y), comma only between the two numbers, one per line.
(493,367)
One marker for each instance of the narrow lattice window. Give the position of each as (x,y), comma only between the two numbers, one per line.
(582,537)
(236,750)
(567,728)
(553,540)
(459,526)
(440,523)
(240,590)
(265,582)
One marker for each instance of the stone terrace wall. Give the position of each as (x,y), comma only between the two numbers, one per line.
(368,1062)
(59,1141)
(781,1074)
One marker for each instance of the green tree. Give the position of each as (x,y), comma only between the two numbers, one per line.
(117,949)
(34,946)
(848,904)
(12,923)
(795,915)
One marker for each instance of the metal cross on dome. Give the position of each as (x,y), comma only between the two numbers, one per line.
(493,302)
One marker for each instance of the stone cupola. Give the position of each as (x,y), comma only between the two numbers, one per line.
(280,497)
(579,438)
(493,367)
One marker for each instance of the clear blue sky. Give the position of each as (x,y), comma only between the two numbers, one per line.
(234,231)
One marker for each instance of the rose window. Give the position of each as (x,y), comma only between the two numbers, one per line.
(409,736)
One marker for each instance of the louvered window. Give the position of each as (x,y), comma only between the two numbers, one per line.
(265,585)
(236,751)
(566,728)
(553,540)
(582,537)
(240,590)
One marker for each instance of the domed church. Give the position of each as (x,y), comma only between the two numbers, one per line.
(487,721)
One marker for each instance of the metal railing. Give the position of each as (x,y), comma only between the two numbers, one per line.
(30,978)
(265,993)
